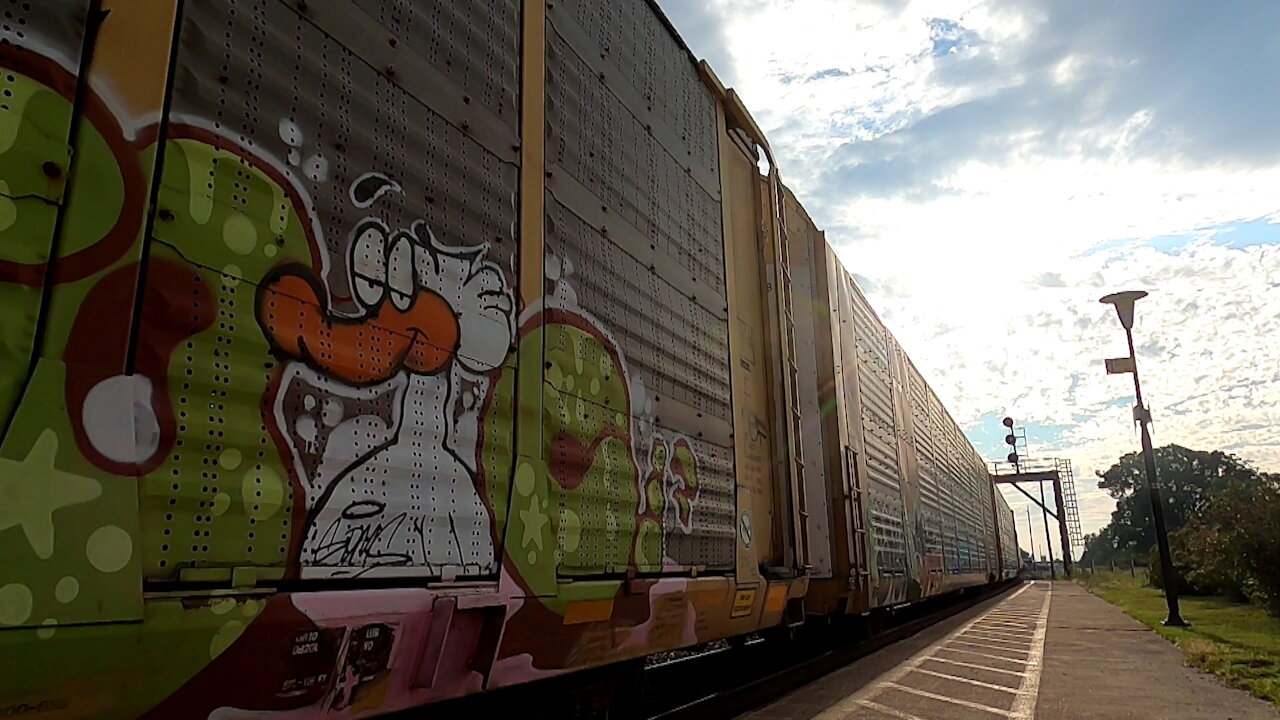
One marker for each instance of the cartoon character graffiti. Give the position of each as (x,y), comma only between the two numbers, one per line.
(377,406)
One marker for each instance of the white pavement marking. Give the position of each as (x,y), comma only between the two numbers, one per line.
(851,703)
(1032,621)
(1024,706)
(953,701)
(994,637)
(988,647)
(987,637)
(982,655)
(968,681)
(1008,645)
(975,666)
(1010,625)
(886,710)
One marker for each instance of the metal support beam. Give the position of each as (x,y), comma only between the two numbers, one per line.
(1018,487)
(1064,536)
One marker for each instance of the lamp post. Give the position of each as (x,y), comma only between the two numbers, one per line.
(1123,303)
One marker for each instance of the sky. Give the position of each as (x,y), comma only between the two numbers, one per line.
(988,169)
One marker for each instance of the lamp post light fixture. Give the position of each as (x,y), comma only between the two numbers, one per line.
(1123,302)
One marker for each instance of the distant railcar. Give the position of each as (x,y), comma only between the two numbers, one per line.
(356,356)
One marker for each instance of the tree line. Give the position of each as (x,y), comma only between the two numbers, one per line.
(1223,517)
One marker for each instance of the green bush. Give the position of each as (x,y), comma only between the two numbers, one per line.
(1232,548)
(1155,574)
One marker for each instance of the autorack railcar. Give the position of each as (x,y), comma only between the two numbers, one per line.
(356,356)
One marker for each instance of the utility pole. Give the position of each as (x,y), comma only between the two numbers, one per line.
(1123,303)
(1044,514)
(1031,535)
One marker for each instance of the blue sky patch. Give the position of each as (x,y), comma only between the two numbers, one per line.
(949,36)
(989,433)
(1234,235)
(1248,234)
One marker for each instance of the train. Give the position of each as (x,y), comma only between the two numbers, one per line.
(359,356)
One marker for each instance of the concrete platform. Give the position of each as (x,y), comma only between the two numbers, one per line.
(1046,651)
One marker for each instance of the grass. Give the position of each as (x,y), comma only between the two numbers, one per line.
(1238,642)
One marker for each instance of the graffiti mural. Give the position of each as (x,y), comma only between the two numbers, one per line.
(307,399)
(374,398)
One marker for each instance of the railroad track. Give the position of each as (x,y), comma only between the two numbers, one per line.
(723,682)
(840,651)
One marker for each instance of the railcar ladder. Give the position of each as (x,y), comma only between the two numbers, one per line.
(790,376)
(860,562)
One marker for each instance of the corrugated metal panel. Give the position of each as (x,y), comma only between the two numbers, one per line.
(886,508)
(633,40)
(633,180)
(635,246)
(924,439)
(678,347)
(474,43)
(877,396)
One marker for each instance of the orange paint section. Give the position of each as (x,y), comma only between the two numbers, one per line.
(421,339)
(588,611)
(776,600)
(131,58)
(704,599)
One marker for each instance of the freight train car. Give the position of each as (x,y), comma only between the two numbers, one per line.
(356,356)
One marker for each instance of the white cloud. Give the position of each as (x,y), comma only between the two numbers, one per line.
(992,167)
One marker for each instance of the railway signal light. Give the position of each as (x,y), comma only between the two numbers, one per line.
(1012,441)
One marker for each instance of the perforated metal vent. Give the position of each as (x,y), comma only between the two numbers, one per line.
(328,118)
(51,27)
(634,40)
(634,241)
(598,142)
(474,43)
